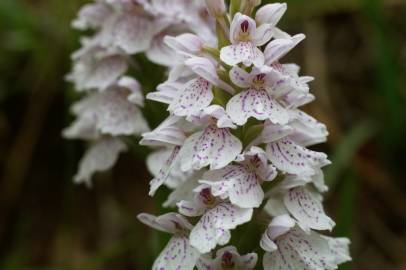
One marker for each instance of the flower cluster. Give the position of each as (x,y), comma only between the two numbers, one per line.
(236,142)
(111,106)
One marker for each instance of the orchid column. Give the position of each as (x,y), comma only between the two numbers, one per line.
(236,142)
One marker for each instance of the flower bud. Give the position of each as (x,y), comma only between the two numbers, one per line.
(216,8)
(270,13)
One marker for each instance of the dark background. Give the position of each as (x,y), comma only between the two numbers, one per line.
(356,49)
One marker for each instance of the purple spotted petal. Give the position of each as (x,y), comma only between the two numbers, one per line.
(177,255)
(299,250)
(237,182)
(257,104)
(213,228)
(243,52)
(307,208)
(195,96)
(213,146)
(291,158)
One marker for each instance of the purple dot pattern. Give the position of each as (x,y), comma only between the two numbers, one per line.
(257,104)
(239,183)
(213,146)
(307,208)
(292,158)
(299,250)
(214,226)
(164,172)
(194,97)
(177,255)
(243,52)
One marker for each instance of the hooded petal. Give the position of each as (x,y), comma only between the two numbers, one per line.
(168,133)
(242,28)
(194,97)
(307,130)
(257,104)
(291,158)
(278,48)
(307,209)
(177,255)
(99,158)
(240,77)
(242,52)
(170,222)
(237,182)
(215,224)
(188,44)
(213,146)
(270,13)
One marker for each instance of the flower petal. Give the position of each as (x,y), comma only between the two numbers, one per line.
(242,52)
(238,183)
(270,13)
(291,158)
(164,172)
(170,222)
(216,223)
(242,28)
(168,133)
(213,146)
(177,255)
(240,77)
(257,104)
(307,209)
(278,48)
(99,158)
(194,97)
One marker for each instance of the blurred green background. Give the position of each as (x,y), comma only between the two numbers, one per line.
(356,49)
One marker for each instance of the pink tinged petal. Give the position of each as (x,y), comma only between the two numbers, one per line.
(166,92)
(307,209)
(278,48)
(164,172)
(217,112)
(270,13)
(215,224)
(191,208)
(207,70)
(195,96)
(242,28)
(308,131)
(99,158)
(272,132)
(291,158)
(242,52)
(187,44)
(183,191)
(237,182)
(177,255)
(263,34)
(213,146)
(257,104)
(171,222)
(168,133)
(279,226)
(240,77)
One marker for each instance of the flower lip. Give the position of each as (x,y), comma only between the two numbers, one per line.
(244,26)
(227,261)
(207,197)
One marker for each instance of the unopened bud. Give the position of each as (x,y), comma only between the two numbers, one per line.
(217,8)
